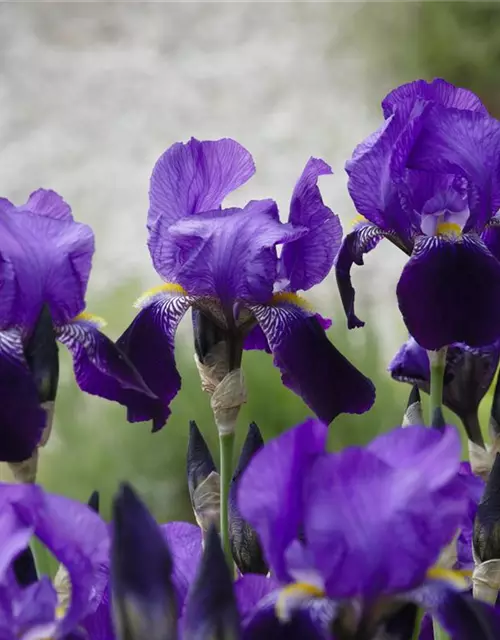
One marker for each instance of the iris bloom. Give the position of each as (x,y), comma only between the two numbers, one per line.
(223,262)
(78,539)
(427,180)
(363,527)
(468,375)
(45,262)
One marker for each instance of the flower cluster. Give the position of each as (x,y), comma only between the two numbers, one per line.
(399,539)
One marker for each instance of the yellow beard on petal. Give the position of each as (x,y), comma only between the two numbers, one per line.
(357,220)
(292,594)
(166,287)
(286,297)
(90,317)
(448,229)
(459,579)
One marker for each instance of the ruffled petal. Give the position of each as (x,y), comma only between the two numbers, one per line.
(414,502)
(363,239)
(75,535)
(269,493)
(404,97)
(450,292)
(46,258)
(465,142)
(195,176)
(296,339)
(152,332)
(228,254)
(308,260)
(22,419)
(103,369)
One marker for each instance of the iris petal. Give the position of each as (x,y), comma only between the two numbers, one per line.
(22,419)
(296,339)
(362,240)
(450,292)
(149,344)
(102,369)
(308,260)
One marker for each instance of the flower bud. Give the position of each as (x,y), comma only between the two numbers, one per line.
(413,414)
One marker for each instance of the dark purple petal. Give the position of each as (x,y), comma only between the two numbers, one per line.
(308,260)
(256,340)
(465,142)
(296,339)
(363,239)
(152,332)
(228,254)
(195,176)
(362,505)
(468,375)
(458,613)
(184,542)
(449,292)
(250,589)
(103,369)
(404,97)
(144,599)
(270,489)
(491,238)
(22,419)
(14,537)
(45,258)
(211,610)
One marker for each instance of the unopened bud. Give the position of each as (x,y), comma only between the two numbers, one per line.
(413,414)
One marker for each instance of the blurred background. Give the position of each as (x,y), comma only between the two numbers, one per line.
(92,93)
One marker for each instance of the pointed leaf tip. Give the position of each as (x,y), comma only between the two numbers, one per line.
(438,419)
(94,501)
(414,396)
(211,610)
(200,463)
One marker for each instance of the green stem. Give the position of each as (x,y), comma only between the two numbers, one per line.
(418,623)
(42,558)
(439,632)
(226,444)
(437,360)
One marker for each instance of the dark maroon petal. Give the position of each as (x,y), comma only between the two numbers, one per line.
(308,260)
(449,292)
(333,385)
(103,369)
(149,344)
(21,417)
(363,239)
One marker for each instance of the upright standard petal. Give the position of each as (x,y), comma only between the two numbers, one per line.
(270,495)
(196,176)
(308,260)
(103,369)
(363,239)
(22,419)
(296,339)
(367,546)
(449,292)
(404,97)
(46,258)
(464,142)
(228,254)
(149,344)
(184,542)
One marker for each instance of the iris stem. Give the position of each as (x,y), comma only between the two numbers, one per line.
(418,623)
(43,562)
(437,360)
(439,632)
(226,445)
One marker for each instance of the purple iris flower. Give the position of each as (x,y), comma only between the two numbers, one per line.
(428,181)
(75,535)
(468,375)
(364,526)
(45,263)
(223,262)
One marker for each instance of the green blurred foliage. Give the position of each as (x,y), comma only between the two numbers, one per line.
(94,447)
